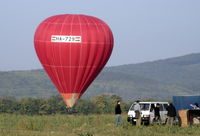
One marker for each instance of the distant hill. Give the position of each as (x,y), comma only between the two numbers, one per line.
(150,80)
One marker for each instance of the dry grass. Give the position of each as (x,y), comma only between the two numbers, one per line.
(83,125)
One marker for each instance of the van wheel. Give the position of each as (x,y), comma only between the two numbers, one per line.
(133,122)
(145,123)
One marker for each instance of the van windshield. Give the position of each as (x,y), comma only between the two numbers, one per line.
(143,106)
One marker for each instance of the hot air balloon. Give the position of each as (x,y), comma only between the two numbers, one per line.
(73,49)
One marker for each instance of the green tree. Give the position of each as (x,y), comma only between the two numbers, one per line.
(105,103)
(85,106)
(56,105)
(30,106)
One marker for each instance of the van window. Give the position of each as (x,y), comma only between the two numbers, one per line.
(152,107)
(132,107)
(165,106)
(161,107)
(144,106)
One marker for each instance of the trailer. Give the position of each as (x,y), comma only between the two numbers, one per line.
(188,109)
(186,102)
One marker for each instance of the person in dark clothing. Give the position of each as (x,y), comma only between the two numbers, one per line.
(118,111)
(171,114)
(157,113)
(196,106)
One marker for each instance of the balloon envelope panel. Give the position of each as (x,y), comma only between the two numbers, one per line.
(73,49)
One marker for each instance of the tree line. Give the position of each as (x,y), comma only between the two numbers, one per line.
(103,104)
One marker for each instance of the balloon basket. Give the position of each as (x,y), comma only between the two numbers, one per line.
(69,110)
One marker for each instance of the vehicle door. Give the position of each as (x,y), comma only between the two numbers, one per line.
(163,113)
(165,105)
(152,114)
(162,116)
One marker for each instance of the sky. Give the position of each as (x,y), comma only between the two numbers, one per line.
(144,30)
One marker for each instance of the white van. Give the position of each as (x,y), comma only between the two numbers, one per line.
(147,114)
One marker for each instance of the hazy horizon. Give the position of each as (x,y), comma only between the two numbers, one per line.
(108,65)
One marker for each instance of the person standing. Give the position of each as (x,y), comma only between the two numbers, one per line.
(157,113)
(171,114)
(118,111)
(195,106)
(137,113)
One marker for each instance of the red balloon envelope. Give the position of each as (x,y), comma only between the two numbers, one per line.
(73,49)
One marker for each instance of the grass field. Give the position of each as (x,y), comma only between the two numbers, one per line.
(83,125)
